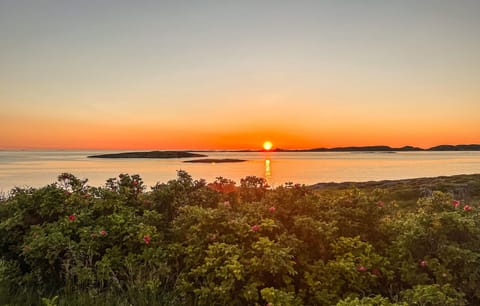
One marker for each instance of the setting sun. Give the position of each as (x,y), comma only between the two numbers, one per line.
(267,145)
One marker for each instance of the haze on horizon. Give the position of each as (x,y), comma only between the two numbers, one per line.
(232,74)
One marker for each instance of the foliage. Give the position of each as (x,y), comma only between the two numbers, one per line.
(186,242)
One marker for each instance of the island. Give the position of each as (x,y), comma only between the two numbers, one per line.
(470,147)
(150,154)
(215,160)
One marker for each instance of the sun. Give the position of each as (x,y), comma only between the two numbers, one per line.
(267,145)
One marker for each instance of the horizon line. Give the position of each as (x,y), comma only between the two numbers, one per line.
(259,149)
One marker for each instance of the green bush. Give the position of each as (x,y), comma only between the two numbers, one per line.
(186,242)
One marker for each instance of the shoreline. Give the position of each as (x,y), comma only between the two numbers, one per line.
(375,183)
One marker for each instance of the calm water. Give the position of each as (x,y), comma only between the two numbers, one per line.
(38,168)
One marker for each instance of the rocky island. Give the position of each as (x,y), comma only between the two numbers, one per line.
(215,160)
(150,154)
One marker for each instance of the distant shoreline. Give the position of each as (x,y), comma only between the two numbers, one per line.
(440,148)
(363,149)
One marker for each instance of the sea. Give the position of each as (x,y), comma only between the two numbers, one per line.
(40,168)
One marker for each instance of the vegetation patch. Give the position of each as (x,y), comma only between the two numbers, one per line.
(189,242)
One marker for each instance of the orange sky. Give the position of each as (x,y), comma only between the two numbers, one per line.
(40,133)
(232,75)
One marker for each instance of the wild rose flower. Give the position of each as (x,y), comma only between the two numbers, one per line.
(361,268)
(423,264)
(103,233)
(226,204)
(272,209)
(71,217)
(147,239)
(229,188)
(380,204)
(255,228)
(467,208)
(222,188)
(455,203)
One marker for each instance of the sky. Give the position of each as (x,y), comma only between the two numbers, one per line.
(232,74)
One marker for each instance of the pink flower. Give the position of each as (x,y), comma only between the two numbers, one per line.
(467,208)
(272,209)
(134,183)
(71,217)
(226,203)
(147,239)
(423,264)
(361,268)
(455,203)
(103,233)
(255,228)
(380,203)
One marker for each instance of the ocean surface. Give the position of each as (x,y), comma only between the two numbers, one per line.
(39,168)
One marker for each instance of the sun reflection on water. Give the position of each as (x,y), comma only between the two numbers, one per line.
(268,170)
